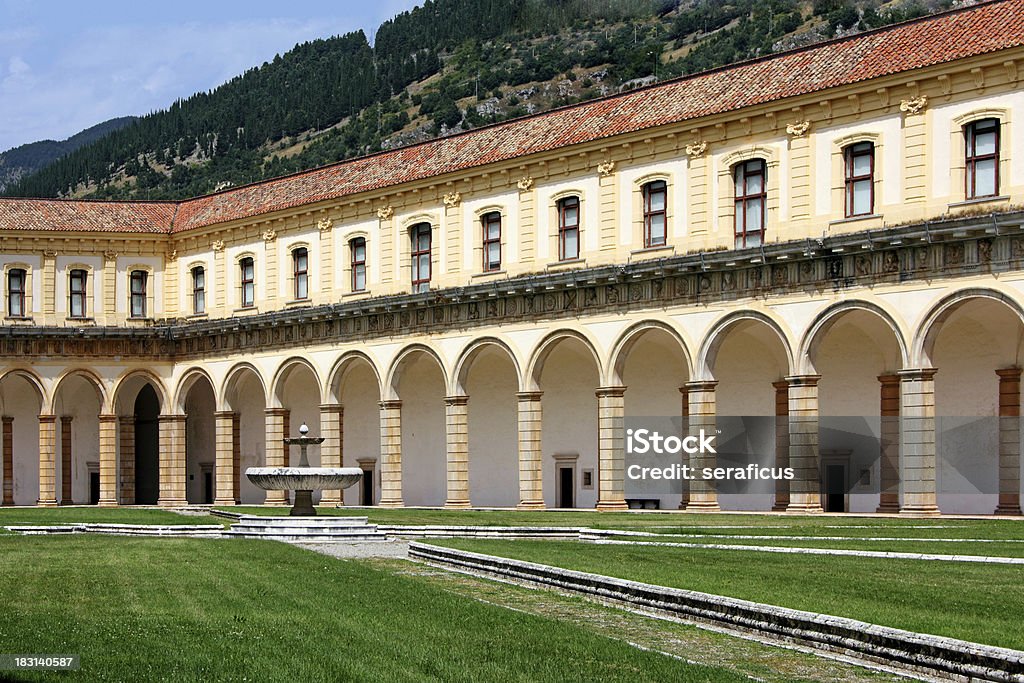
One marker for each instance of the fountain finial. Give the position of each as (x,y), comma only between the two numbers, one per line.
(304,429)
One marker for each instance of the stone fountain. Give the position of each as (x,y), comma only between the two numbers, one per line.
(303,479)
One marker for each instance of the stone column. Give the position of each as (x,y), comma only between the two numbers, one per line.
(172,461)
(917,447)
(8,458)
(1009,441)
(332,428)
(66,478)
(703,496)
(611,449)
(236,457)
(47,461)
(805,489)
(685,413)
(889,446)
(781,443)
(531,465)
(126,426)
(225,457)
(456,420)
(108,461)
(275,455)
(391,454)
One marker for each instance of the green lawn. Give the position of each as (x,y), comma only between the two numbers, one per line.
(72,515)
(975,602)
(200,610)
(996,549)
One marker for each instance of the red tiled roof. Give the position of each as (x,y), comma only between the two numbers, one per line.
(72,215)
(984,28)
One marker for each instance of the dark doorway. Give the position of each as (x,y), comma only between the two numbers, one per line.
(207,487)
(366,488)
(147,447)
(94,488)
(566,488)
(835,488)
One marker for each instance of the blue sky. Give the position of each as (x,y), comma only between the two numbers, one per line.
(65,66)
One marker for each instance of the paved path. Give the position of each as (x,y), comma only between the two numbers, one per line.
(358,551)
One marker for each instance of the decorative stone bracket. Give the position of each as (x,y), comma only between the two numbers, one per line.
(324,224)
(385,212)
(798,128)
(914,105)
(696,149)
(452,199)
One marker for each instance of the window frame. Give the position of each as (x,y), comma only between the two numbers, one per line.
(357,266)
(141,276)
(742,200)
(564,228)
(486,221)
(247,283)
(850,155)
(971,158)
(19,295)
(420,283)
(646,192)
(198,292)
(82,295)
(300,275)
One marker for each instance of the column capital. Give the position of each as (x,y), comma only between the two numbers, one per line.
(803,380)
(613,392)
(1009,374)
(529,395)
(701,385)
(460,400)
(7,418)
(332,408)
(781,385)
(890,378)
(224,414)
(917,374)
(67,418)
(47,418)
(106,417)
(390,405)
(171,418)
(275,411)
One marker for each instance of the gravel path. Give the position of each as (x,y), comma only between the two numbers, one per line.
(355,551)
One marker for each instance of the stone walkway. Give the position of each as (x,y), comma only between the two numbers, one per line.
(360,551)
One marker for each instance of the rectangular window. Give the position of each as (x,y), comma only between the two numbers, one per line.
(198,290)
(654,214)
(420,257)
(568,229)
(138,293)
(492,240)
(16,293)
(300,263)
(76,293)
(982,138)
(860,179)
(357,247)
(248,269)
(751,198)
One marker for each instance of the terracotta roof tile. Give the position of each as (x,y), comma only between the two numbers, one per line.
(74,215)
(984,28)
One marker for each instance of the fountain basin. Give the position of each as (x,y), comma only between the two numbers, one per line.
(303,478)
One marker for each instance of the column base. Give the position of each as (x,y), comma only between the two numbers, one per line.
(46,503)
(276,498)
(224,501)
(531,505)
(888,504)
(332,498)
(171,502)
(1008,511)
(396,503)
(457,505)
(920,511)
(781,504)
(107,503)
(612,506)
(703,506)
(804,509)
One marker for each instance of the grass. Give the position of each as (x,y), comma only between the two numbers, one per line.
(974,602)
(72,515)
(191,609)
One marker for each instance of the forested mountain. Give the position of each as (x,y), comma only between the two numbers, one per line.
(440,68)
(27,159)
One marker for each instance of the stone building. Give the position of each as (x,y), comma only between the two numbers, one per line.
(830,231)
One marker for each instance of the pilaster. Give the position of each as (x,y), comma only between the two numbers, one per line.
(781,444)
(1009,441)
(703,496)
(66,478)
(531,470)
(332,428)
(607,215)
(917,443)
(7,452)
(108,460)
(225,472)
(47,461)
(391,454)
(457,442)
(274,419)
(889,447)
(172,461)
(126,428)
(611,449)
(804,458)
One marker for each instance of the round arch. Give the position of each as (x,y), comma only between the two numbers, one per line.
(342,367)
(147,377)
(185,384)
(824,321)
(284,371)
(394,375)
(628,339)
(92,378)
(234,375)
(924,337)
(469,355)
(45,401)
(719,331)
(540,355)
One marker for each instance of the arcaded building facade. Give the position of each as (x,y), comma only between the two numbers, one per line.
(832,232)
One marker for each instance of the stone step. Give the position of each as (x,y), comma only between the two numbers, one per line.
(287,537)
(278,522)
(305,531)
